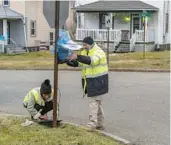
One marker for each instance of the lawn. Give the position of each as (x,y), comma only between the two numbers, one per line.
(12,133)
(44,60)
(153,60)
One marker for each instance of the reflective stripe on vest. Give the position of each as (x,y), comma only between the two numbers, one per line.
(89,66)
(98,75)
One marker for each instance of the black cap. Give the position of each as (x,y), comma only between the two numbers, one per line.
(46,87)
(88,40)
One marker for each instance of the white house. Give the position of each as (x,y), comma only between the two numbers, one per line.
(22,24)
(127,23)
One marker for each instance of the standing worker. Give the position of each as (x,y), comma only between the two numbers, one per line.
(39,101)
(94,79)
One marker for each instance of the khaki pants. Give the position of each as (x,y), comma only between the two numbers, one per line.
(96,114)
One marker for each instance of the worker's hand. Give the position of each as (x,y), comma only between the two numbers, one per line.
(73,57)
(43,117)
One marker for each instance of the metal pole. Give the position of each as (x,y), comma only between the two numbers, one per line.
(144,36)
(57,6)
(108,46)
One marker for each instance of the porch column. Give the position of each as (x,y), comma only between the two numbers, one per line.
(111,15)
(5,30)
(77,19)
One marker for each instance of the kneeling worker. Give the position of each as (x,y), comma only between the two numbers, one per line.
(39,101)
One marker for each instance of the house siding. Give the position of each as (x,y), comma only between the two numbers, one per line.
(118,23)
(91,21)
(83,2)
(152,25)
(159,20)
(17,6)
(17,32)
(169,34)
(42,26)
(167,6)
(31,16)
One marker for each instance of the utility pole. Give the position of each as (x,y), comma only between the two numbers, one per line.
(144,36)
(56,13)
(55,98)
(108,45)
(108,26)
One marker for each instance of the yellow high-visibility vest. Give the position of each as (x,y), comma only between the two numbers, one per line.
(98,66)
(37,97)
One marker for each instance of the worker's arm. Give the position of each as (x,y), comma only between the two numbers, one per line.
(30,107)
(84,59)
(73,63)
(94,59)
(89,60)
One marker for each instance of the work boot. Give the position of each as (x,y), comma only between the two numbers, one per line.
(91,127)
(100,128)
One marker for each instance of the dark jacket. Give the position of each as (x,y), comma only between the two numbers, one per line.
(95,86)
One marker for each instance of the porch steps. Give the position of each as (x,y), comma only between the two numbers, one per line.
(17,50)
(123,47)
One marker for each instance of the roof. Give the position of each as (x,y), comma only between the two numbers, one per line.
(114,6)
(6,12)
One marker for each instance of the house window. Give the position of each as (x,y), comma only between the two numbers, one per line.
(6,2)
(33,28)
(51,38)
(167,23)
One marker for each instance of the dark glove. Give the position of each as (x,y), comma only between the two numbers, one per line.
(63,61)
(73,63)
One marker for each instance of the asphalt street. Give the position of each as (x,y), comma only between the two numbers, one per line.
(136,108)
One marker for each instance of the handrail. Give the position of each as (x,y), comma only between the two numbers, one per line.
(132,41)
(15,44)
(117,39)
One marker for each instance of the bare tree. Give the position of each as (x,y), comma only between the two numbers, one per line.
(71,20)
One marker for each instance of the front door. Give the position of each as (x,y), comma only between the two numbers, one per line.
(136,23)
(1,28)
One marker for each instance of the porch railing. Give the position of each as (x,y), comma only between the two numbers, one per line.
(117,38)
(97,34)
(2,44)
(150,36)
(12,46)
(139,35)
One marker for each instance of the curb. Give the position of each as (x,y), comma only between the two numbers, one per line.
(139,70)
(116,138)
(110,69)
